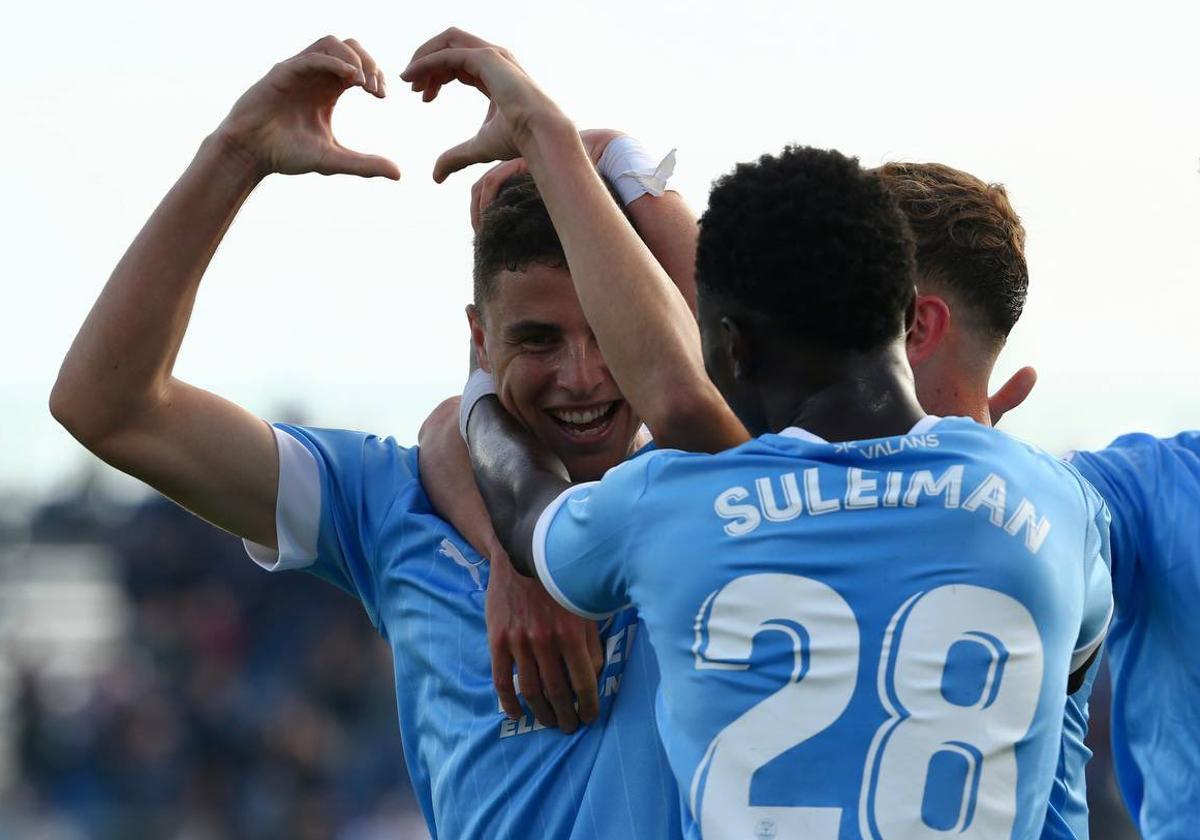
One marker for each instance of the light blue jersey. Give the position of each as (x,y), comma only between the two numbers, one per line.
(352,510)
(866,639)
(1152,487)
(1067,813)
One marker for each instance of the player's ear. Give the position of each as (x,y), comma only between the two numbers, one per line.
(478,337)
(737,350)
(928,323)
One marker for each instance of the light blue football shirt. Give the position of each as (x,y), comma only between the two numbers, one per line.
(1067,812)
(1152,487)
(865,639)
(351,510)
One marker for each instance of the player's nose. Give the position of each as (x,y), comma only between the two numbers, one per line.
(583,370)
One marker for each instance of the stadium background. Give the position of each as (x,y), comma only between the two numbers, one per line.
(152,682)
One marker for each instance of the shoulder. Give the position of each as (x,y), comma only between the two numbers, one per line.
(1026,461)
(351,465)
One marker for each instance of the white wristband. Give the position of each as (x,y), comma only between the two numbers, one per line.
(629,168)
(478,386)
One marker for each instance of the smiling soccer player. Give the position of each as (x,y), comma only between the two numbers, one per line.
(351,508)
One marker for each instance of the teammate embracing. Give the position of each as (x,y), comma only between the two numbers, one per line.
(866,617)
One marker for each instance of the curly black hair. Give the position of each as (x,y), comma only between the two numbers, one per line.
(515,231)
(812,243)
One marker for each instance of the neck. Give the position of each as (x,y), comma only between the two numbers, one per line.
(949,388)
(868,397)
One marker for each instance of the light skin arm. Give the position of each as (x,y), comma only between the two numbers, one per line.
(116,392)
(643,325)
(557,655)
(665,223)
(525,625)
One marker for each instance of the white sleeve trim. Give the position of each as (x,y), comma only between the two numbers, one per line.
(539,553)
(1082,652)
(297,509)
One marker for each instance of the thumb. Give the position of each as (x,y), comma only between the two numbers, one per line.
(342,161)
(459,157)
(1012,393)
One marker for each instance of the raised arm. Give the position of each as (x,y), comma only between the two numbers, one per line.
(115,392)
(643,325)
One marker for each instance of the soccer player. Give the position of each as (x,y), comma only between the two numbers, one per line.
(895,667)
(350,507)
(972,280)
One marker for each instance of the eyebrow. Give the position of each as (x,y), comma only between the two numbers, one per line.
(530,326)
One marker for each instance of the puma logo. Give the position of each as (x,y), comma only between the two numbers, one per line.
(449,549)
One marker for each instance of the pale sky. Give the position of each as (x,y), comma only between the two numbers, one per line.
(345,296)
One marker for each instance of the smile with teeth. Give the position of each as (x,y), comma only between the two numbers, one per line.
(584,419)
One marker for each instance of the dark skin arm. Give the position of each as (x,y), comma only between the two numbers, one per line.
(516,475)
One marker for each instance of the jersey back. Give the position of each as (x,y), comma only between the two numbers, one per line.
(866,639)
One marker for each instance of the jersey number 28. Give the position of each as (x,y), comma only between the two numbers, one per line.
(927,730)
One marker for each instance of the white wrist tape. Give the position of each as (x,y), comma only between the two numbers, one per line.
(478,386)
(629,168)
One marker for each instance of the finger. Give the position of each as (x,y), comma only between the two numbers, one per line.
(496,178)
(459,157)
(531,686)
(557,688)
(595,647)
(311,63)
(338,49)
(452,37)
(430,91)
(456,62)
(578,658)
(380,84)
(502,679)
(1012,393)
(338,160)
(475,190)
(482,187)
(369,66)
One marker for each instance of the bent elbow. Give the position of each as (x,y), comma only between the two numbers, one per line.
(65,410)
(445,415)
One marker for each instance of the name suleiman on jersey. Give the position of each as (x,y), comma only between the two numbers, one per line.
(856,639)
(783,497)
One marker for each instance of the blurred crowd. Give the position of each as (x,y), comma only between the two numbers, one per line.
(237,704)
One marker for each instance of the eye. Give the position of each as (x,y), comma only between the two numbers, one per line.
(538,342)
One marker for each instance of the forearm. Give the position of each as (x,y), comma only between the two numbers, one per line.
(669,229)
(121,360)
(642,323)
(517,477)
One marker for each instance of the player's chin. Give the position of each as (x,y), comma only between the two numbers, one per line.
(590,448)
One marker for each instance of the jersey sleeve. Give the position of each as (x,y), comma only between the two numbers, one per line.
(1152,487)
(335,488)
(583,540)
(1097,579)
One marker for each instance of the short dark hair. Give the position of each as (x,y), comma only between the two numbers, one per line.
(515,231)
(969,239)
(812,243)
